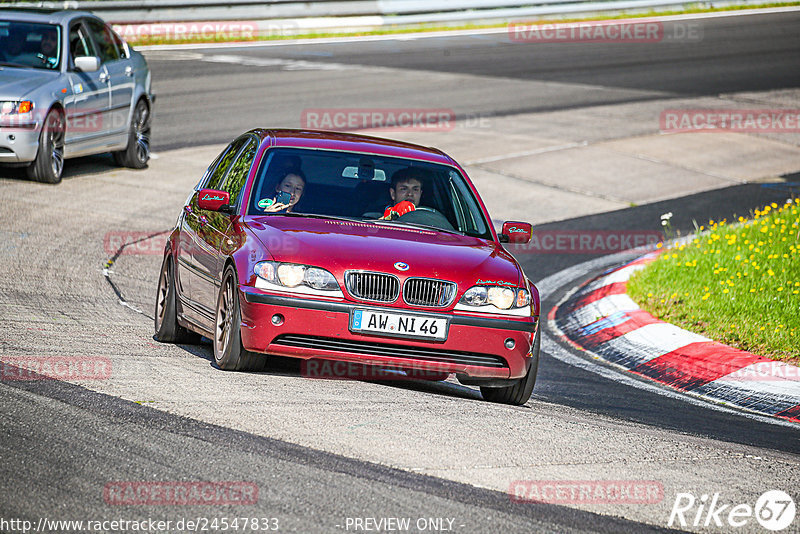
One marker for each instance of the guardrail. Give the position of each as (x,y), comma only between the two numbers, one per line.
(291,17)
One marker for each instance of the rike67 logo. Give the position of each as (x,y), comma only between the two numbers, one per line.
(774,510)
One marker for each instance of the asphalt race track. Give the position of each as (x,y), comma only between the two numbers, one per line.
(323,453)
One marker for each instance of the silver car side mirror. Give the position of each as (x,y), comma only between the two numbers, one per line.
(87,63)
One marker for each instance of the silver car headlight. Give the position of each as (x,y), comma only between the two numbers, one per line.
(11,107)
(294,277)
(496,299)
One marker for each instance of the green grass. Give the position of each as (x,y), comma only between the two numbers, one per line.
(735,283)
(391,30)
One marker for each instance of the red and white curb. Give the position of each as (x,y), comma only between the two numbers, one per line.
(601,319)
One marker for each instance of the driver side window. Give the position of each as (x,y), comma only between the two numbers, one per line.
(79,42)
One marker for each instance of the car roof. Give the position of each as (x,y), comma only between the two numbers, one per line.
(351,143)
(47,16)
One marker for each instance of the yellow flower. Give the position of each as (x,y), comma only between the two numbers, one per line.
(705,297)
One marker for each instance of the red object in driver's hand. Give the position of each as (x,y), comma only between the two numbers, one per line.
(399,209)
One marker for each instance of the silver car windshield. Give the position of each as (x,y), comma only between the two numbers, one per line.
(326,183)
(30,45)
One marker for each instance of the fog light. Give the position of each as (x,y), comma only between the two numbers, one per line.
(277,319)
(510,343)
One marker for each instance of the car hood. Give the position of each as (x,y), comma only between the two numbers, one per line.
(340,245)
(17,83)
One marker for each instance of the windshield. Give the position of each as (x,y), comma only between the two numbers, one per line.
(30,45)
(301,182)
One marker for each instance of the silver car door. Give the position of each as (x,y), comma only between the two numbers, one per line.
(120,76)
(87,105)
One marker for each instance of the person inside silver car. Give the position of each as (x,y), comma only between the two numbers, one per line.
(47,54)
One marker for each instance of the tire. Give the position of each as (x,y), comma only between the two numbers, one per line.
(137,153)
(229,354)
(519,393)
(166,317)
(49,162)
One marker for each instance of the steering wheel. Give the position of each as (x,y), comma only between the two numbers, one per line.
(428,217)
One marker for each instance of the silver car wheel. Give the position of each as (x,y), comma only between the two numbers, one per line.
(55,141)
(141,125)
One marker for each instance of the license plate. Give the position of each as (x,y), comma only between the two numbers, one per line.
(395,324)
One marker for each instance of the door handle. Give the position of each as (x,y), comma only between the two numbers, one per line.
(103,77)
(128,71)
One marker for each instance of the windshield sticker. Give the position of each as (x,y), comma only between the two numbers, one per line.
(265,202)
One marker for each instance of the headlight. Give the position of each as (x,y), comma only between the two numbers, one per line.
(503,298)
(15,108)
(292,275)
(320,279)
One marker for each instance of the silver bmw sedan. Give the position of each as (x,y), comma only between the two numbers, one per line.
(69,87)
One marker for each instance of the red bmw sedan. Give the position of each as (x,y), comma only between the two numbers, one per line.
(346,248)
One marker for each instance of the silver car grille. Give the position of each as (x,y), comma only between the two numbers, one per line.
(377,287)
(428,292)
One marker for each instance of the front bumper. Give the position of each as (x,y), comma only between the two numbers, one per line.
(19,143)
(313,328)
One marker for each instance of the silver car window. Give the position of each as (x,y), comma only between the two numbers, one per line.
(30,45)
(106,46)
(79,42)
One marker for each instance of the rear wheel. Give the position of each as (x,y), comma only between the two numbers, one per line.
(166,317)
(229,354)
(49,162)
(519,393)
(137,153)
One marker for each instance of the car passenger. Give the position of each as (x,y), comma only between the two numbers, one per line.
(293,183)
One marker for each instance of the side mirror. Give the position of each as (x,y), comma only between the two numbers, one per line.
(87,63)
(213,200)
(516,232)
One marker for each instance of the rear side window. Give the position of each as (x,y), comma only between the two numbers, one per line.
(235,179)
(217,175)
(121,46)
(106,47)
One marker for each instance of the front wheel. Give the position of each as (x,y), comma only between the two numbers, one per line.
(49,162)
(137,153)
(519,393)
(229,354)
